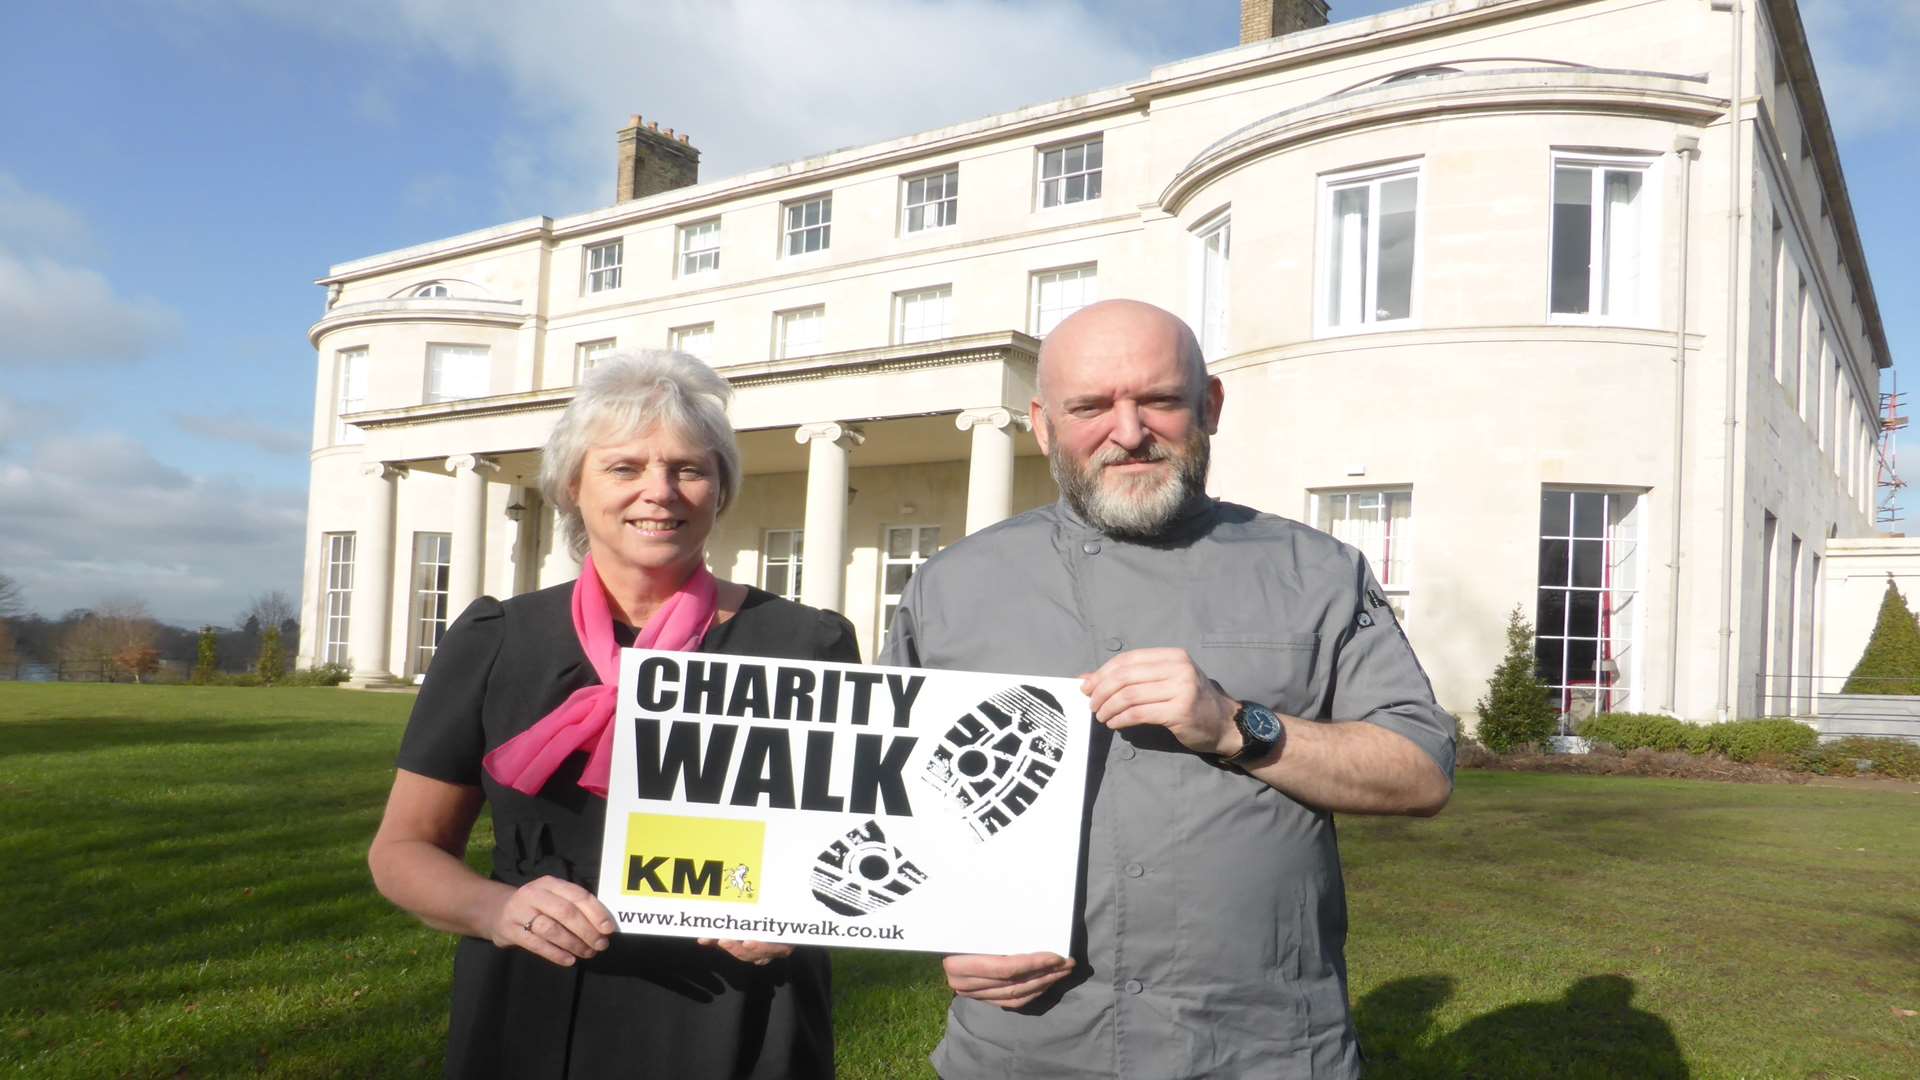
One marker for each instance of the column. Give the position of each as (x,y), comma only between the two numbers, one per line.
(369,630)
(467,554)
(990,466)
(826,519)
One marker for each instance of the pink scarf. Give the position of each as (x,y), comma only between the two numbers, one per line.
(526,761)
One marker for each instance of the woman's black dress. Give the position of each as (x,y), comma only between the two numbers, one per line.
(648,1006)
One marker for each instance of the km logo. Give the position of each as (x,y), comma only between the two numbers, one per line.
(692,858)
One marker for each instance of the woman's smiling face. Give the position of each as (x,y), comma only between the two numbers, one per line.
(649,501)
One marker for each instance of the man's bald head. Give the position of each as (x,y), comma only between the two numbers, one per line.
(1109,328)
(1124,412)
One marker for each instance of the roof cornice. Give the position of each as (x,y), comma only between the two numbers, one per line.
(1664,96)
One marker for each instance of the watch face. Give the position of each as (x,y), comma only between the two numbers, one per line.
(1262,724)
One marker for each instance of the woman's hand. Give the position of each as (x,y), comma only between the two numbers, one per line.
(553,919)
(750,952)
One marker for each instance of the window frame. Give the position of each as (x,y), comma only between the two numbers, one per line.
(422,594)
(1372,178)
(1646,311)
(794,562)
(588,353)
(1626,689)
(434,352)
(781,349)
(949,200)
(1403,585)
(676,339)
(904,296)
(683,255)
(1214,340)
(890,602)
(1084,143)
(1034,281)
(824,225)
(349,363)
(336,596)
(608,276)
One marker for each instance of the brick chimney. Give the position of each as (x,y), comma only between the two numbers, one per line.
(652,161)
(1263,19)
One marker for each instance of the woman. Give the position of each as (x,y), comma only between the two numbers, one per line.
(514,715)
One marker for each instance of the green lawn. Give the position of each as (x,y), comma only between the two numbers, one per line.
(185,896)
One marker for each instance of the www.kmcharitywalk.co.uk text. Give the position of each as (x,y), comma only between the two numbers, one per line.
(778,928)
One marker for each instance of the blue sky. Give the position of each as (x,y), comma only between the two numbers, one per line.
(175,173)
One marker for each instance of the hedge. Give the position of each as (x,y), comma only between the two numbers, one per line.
(1741,740)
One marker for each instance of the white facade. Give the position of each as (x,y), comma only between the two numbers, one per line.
(1529,332)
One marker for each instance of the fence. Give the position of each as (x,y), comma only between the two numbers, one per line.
(59,671)
(1836,715)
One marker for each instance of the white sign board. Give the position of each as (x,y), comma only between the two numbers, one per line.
(844,804)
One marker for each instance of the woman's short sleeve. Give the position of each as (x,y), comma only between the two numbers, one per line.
(445,739)
(834,639)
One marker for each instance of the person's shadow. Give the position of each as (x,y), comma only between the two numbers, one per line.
(1592,1031)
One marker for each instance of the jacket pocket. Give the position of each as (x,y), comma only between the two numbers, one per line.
(1280,671)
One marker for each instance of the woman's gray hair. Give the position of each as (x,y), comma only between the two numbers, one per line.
(629,394)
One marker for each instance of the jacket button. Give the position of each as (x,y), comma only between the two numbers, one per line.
(1113,644)
(1134,869)
(1127,751)
(1091,547)
(1134,987)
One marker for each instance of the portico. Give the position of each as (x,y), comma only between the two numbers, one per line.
(845,454)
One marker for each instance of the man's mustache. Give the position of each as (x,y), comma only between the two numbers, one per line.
(1114,455)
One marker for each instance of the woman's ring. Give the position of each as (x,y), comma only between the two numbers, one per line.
(528,925)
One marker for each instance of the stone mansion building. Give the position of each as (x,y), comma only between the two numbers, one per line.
(1551,303)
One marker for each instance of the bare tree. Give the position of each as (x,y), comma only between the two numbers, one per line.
(11,602)
(266,609)
(114,626)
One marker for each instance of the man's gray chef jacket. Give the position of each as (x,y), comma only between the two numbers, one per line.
(1215,918)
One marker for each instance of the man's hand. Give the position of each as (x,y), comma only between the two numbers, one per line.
(1164,687)
(1006,981)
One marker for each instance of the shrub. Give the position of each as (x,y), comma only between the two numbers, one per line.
(1888,757)
(139,661)
(1518,709)
(1755,740)
(1891,662)
(323,675)
(206,662)
(272,666)
(1648,731)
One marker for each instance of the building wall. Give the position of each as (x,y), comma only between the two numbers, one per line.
(1479,402)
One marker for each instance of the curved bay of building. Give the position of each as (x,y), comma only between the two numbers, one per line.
(1490,301)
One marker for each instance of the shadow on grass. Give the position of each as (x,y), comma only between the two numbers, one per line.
(1593,1030)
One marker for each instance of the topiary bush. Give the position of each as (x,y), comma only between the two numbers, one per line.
(1518,709)
(1891,662)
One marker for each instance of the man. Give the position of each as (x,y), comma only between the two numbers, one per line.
(1250,681)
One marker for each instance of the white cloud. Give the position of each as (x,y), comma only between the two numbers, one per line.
(32,224)
(754,82)
(239,427)
(98,515)
(54,310)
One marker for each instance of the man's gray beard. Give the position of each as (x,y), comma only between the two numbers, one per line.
(1135,509)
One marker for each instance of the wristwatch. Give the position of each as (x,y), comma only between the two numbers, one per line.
(1261,734)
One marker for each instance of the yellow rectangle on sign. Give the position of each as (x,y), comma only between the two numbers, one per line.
(691,858)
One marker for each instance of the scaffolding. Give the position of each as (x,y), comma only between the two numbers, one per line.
(1887,482)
